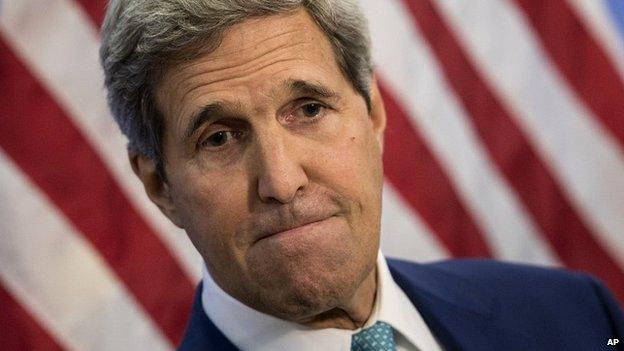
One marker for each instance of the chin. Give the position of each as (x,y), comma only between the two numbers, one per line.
(302,301)
(299,291)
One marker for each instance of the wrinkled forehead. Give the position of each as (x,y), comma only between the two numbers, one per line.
(255,36)
(263,53)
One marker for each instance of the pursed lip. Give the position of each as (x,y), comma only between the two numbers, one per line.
(285,228)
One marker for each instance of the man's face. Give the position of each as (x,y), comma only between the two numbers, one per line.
(274,167)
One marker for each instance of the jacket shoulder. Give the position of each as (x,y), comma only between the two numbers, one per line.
(524,291)
(486,272)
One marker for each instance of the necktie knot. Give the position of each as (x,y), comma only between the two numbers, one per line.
(378,337)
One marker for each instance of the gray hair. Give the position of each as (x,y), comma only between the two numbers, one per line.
(142,38)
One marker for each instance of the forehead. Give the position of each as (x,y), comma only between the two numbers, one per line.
(252,61)
(260,35)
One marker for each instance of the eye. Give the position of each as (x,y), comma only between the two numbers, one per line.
(219,138)
(311,110)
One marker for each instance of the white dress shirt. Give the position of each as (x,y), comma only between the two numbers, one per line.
(249,329)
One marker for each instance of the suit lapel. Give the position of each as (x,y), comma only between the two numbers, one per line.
(201,333)
(460,315)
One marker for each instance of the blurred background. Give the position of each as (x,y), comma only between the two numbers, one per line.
(505,139)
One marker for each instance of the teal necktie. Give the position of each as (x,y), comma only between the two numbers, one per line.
(379,337)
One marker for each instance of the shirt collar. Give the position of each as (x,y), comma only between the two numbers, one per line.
(248,329)
(395,308)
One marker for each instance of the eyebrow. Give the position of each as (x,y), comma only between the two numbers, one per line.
(217,110)
(206,114)
(303,87)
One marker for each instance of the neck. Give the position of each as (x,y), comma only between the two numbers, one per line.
(353,314)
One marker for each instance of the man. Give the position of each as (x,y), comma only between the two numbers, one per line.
(257,126)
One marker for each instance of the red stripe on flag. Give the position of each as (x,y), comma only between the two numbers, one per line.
(510,151)
(414,171)
(580,59)
(95,9)
(42,140)
(18,330)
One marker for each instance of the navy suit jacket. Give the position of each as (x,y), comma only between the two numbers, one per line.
(485,305)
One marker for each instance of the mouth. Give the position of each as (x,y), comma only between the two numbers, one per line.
(293,230)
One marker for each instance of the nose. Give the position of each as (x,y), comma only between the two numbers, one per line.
(279,170)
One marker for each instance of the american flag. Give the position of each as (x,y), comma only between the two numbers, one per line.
(505,139)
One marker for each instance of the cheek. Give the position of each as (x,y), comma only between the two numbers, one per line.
(358,175)
(357,158)
(351,165)
(211,209)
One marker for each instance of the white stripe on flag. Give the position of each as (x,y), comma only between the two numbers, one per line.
(60,46)
(417,82)
(403,234)
(563,131)
(596,17)
(61,279)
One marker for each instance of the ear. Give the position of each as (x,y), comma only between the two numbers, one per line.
(378,113)
(157,190)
